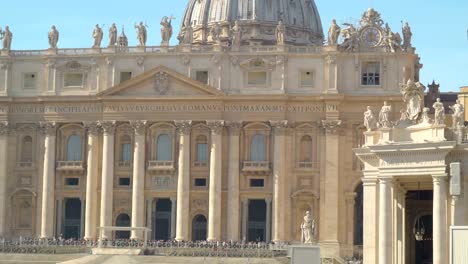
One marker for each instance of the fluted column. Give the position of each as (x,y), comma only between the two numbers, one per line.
(107,175)
(138,198)
(439,229)
(3,175)
(385,220)
(215,195)
(48,180)
(279,170)
(183,182)
(91,181)
(233,201)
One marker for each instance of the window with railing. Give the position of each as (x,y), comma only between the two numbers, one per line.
(126,149)
(164,148)
(202,151)
(258,148)
(74,152)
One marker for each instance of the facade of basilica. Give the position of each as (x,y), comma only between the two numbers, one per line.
(233,134)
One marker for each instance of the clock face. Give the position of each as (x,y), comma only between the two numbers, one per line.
(371,36)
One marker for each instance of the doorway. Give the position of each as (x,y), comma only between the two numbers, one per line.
(199,228)
(256,222)
(123,220)
(162,219)
(72,219)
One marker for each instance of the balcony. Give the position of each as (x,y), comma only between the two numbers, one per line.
(308,165)
(75,166)
(161,165)
(24,165)
(258,167)
(124,164)
(200,164)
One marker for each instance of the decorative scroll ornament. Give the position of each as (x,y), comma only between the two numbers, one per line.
(371,18)
(161,82)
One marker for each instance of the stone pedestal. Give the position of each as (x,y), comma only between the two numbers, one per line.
(304,254)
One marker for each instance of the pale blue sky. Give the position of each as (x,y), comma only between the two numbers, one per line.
(439,27)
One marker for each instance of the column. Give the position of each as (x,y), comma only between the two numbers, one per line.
(91,181)
(59,220)
(107,192)
(48,180)
(268,220)
(233,205)
(245,215)
(350,221)
(173,217)
(138,199)
(183,181)
(215,194)
(370,205)
(279,170)
(149,214)
(439,229)
(385,220)
(3,175)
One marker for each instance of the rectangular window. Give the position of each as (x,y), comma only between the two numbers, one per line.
(370,73)
(124,181)
(202,76)
(257,182)
(73,80)
(257,78)
(29,81)
(126,152)
(202,152)
(200,182)
(307,78)
(125,76)
(72,181)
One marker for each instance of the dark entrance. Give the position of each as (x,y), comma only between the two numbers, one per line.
(122,220)
(424,247)
(257,220)
(358,217)
(72,219)
(199,228)
(162,220)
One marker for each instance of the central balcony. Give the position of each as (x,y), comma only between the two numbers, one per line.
(259,167)
(76,166)
(161,166)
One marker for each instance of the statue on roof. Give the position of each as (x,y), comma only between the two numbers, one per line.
(439,112)
(6,36)
(236,34)
(371,18)
(333,33)
(166,30)
(53,37)
(407,35)
(112,35)
(141,34)
(97,35)
(280,33)
(393,41)
(350,38)
(384,121)
(186,35)
(413,96)
(458,114)
(369,119)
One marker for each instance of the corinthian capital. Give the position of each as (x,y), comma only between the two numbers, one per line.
(108,127)
(48,128)
(331,126)
(280,127)
(184,126)
(234,127)
(4,127)
(92,127)
(216,126)
(139,126)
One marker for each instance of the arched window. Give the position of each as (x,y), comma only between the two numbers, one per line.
(74,148)
(306,149)
(126,144)
(257,148)
(26,149)
(164,148)
(202,148)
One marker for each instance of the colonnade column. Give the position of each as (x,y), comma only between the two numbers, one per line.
(48,180)
(183,181)
(439,229)
(107,176)
(233,202)
(91,181)
(370,205)
(138,198)
(215,194)
(385,220)
(279,170)
(173,217)
(3,175)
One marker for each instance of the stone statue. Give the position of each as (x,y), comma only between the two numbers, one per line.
(97,35)
(166,30)
(112,35)
(350,41)
(6,37)
(439,112)
(53,37)
(425,116)
(141,34)
(333,33)
(393,41)
(307,227)
(384,121)
(236,32)
(215,32)
(458,114)
(369,119)
(413,95)
(186,36)
(407,34)
(280,33)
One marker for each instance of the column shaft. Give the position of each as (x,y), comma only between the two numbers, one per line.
(370,203)
(48,182)
(138,199)
(268,220)
(107,176)
(385,221)
(439,230)
(245,215)
(149,214)
(173,217)
(183,181)
(91,182)
(278,179)
(3,176)
(215,195)
(233,202)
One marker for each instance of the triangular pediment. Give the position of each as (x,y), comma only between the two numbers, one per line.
(161,82)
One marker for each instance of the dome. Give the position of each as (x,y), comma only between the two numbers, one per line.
(212,21)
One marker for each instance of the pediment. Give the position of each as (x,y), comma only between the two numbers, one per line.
(161,82)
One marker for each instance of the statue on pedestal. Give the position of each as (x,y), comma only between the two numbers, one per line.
(413,95)
(458,114)
(369,119)
(439,113)
(166,30)
(280,33)
(6,37)
(112,35)
(333,33)
(407,34)
(384,121)
(350,38)
(97,35)
(53,37)
(236,32)
(307,228)
(186,35)
(141,34)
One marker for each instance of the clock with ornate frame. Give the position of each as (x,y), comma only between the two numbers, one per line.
(371,36)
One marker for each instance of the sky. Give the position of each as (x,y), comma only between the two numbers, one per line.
(439,27)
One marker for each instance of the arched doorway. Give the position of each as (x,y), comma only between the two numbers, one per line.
(72,219)
(257,220)
(162,221)
(124,221)
(199,228)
